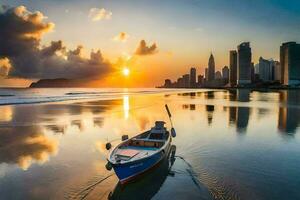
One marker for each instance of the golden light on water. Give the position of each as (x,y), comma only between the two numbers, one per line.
(126,71)
(126,106)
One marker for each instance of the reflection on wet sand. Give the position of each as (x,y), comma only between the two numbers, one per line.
(48,134)
(22,138)
(126,106)
(25,145)
(239,115)
(6,113)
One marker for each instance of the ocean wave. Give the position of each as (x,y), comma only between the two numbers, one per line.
(32,96)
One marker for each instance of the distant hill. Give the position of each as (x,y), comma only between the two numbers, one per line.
(56,83)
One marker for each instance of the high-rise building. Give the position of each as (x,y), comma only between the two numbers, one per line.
(225,73)
(186,80)
(193,77)
(290,63)
(218,75)
(168,83)
(256,68)
(180,82)
(244,58)
(211,68)
(200,80)
(265,70)
(277,71)
(206,74)
(253,79)
(252,73)
(233,67)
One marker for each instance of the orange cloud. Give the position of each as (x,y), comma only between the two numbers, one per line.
(143,49)
(37,27)
(20,38)
(121,37)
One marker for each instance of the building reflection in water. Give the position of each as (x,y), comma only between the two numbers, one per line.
(209,95)
(243,113)
(209,110)
(239,115)
(185,106)
(232,95)
(289,113)
(192,107)
(232,115)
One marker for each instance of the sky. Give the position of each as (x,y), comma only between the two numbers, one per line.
(154,39)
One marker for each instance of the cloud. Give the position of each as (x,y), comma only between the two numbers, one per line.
(121,37)
(143,49)
(20,34)
(97,14)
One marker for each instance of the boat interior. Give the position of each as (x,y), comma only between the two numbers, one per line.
(144,144)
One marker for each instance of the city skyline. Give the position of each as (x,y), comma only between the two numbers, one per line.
(243,72)
(180,34)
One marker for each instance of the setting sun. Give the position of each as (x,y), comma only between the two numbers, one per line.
(126,71)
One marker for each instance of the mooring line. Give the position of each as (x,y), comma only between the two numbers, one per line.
(92,187)
(191,172)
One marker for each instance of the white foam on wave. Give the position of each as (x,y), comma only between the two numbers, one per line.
(46,95)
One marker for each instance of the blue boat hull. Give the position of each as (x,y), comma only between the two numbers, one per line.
(129,171)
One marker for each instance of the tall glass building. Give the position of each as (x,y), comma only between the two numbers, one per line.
(244,64)
(290,63)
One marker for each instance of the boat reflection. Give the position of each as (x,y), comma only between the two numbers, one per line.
(149,184)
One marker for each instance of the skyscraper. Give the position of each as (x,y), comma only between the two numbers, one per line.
(225,73)
(265,69)
(211,68)
(244,64)
(186,80)
(200,80)
(290,63)
(233,67)
(218,75)
(206,74)
(168,83)
(193,77)
(277,71)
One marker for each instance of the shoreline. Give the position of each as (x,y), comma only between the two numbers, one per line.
(231,88)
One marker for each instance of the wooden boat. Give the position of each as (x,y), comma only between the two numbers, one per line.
(149,185)
(137,155)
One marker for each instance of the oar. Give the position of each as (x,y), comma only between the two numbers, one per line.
(173,132)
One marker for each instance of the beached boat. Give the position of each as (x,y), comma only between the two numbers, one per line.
(137,155)
(149,185)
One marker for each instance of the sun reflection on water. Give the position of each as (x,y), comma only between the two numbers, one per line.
(126,106)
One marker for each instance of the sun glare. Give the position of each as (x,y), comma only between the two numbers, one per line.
(126,71)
